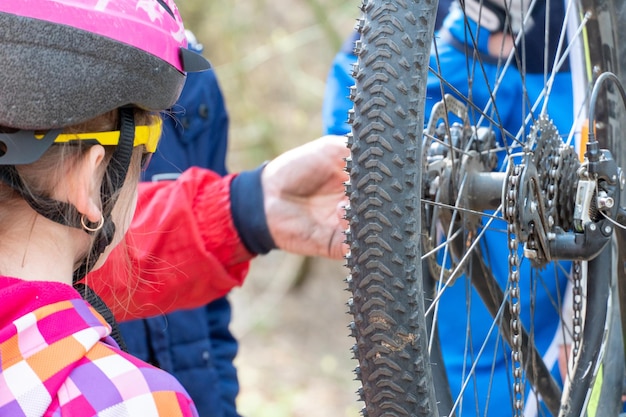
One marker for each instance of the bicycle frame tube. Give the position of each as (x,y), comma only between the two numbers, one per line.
(604,27)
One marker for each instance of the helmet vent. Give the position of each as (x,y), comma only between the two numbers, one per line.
(166,7)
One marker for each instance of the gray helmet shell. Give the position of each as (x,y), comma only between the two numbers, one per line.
(55,75)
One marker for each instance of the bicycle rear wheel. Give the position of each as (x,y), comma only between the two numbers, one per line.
(426,216)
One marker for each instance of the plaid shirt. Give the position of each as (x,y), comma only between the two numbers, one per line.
(56,359)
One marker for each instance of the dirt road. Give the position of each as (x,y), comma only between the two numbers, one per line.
(295,358)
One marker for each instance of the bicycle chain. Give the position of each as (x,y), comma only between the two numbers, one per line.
(556,165)
(577,307)
(510,214)
(546,142)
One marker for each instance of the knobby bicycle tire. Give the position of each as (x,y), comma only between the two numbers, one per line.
(387,302)
(401,362)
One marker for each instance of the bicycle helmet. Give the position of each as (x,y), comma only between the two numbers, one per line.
(64,62)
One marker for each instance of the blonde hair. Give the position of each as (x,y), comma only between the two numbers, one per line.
(41,177)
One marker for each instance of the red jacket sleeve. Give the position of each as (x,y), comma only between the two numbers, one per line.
(182,249)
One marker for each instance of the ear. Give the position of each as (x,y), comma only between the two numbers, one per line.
(84,186)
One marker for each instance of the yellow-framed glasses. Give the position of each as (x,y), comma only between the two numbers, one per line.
(144,135)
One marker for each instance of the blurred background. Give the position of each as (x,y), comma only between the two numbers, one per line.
(272,58)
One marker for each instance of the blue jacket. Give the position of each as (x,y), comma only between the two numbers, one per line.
(196,345)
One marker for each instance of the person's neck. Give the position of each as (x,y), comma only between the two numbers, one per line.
(34,248)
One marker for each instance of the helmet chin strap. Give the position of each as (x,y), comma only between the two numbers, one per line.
(117,170)
(67,215)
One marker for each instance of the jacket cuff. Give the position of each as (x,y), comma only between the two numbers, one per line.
(248,211)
